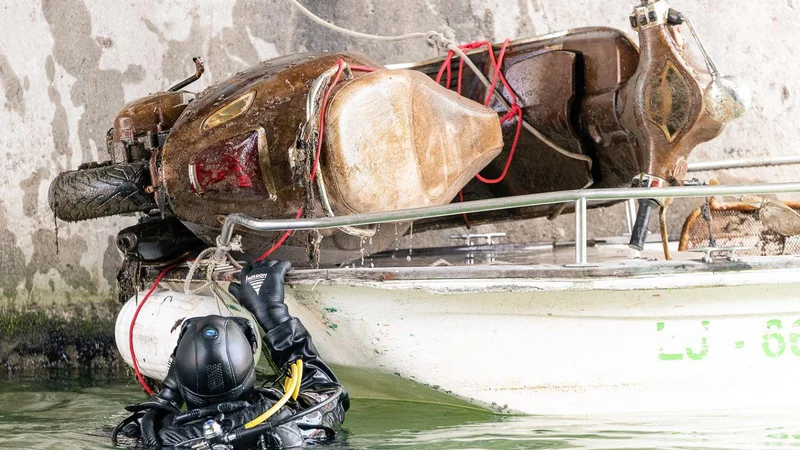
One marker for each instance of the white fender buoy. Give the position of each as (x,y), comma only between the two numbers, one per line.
(159,323)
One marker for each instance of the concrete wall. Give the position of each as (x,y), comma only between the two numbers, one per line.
(66,66)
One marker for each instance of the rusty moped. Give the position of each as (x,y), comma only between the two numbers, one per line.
(311,135)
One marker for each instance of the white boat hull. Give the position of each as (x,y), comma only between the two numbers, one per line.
(571,346)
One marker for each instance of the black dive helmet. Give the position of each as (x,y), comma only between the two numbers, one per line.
(213,361)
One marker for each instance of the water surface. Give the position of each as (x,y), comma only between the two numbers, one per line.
(74,413)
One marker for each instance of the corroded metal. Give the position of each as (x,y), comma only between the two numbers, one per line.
(662,105)
(154,113)
(594,93)
(137,124)
(199,69)
(280,88)
(596,111)
(393,139)
(566,84)
(765,227)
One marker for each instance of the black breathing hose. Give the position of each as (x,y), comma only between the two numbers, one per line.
(242,434)
(639,232)
(334,396)
(212,410)
(135,416)
(150,438)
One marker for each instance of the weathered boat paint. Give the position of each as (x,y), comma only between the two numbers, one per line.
(725,336)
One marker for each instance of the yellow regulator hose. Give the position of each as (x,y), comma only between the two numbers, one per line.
(292,389)
(296,390)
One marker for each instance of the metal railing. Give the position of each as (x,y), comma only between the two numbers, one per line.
(766,161)
(580,197)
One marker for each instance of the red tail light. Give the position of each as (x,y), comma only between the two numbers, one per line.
(231,166)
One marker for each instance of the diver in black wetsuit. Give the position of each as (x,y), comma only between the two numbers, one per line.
(213,373)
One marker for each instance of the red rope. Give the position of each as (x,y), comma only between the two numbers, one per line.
(514,111)
(133,322)
(318,153)
(324,106)
(363,68)
(460,73)
(463,215)
(446,66)
(281,240)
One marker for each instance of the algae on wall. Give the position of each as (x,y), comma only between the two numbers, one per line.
(73,336)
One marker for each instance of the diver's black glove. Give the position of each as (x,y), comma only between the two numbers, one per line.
(261,292)
(285,338)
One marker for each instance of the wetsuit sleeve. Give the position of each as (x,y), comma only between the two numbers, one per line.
(261,291)
(289,342)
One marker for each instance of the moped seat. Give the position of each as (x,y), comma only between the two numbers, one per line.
(396,139)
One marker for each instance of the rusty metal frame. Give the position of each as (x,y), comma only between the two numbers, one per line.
(714,205)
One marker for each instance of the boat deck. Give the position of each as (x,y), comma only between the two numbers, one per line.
(608,258)
(628,332)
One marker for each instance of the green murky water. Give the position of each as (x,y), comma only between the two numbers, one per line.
(79,414)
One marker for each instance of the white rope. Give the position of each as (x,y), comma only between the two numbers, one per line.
(439,40)
(187,283)
(478,73)
(211,264)
(435,37)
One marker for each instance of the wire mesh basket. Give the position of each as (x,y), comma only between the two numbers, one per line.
(735,224)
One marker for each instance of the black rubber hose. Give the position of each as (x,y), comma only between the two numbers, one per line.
(226,407)
(334,396)
(639,232)
(126,421)
(150,438)
(246,435)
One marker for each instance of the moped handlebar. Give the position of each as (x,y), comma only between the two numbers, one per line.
(670,105)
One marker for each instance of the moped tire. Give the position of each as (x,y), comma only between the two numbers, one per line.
(101,191)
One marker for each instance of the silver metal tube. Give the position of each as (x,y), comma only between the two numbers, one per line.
(519,201)
(580,231)
(630,214)
(744,162)
(709,61)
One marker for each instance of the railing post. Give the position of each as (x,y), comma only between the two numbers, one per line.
(630,214)
(580,231)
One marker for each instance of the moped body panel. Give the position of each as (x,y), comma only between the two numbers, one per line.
(566,84)
(139,121)
(393,139)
